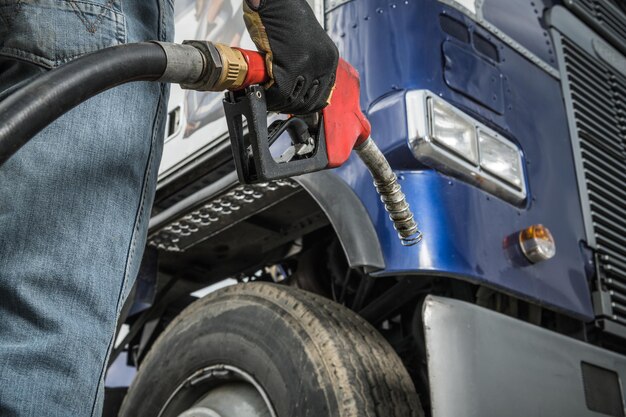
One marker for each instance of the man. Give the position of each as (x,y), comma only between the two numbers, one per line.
(75,201)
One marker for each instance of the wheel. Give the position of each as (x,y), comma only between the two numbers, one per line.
(263,350)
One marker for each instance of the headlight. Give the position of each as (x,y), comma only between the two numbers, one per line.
(501,158)
(450,141)
(453,131)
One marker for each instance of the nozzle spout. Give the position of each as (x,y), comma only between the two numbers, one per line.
(386,183)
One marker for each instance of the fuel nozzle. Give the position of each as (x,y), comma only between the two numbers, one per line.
(326,143)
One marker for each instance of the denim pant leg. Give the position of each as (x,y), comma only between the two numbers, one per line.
(74,205)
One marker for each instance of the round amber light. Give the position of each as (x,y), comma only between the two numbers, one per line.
(537,243)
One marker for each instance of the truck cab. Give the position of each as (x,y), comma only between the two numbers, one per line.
(505,122)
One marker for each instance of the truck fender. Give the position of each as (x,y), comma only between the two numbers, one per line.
(348,217)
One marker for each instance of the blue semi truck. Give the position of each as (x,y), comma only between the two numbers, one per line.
(505,121)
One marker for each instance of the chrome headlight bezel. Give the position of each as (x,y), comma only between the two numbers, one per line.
(429,151)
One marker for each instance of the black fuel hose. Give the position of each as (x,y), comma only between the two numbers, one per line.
(27,111)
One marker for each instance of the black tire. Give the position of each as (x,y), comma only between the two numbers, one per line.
(313,357)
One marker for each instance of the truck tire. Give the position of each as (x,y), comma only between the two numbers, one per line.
(258,349)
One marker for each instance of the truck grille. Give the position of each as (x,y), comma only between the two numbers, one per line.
(607,17)
(598,94)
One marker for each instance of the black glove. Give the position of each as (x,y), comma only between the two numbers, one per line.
(301,59)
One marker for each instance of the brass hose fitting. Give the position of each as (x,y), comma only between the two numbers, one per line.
(234,68)
(204,66)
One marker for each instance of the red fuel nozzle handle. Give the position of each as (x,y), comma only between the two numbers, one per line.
(345,126)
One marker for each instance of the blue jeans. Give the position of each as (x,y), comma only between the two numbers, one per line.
(74,205)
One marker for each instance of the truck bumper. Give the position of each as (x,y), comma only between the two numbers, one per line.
(482,363)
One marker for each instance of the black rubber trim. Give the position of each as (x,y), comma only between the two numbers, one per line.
(348,217)
(27,111)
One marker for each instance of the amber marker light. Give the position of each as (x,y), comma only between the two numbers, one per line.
(537,243)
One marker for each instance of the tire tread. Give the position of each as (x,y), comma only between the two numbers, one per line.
(352,351)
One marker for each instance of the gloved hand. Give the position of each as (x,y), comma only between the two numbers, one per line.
(300,58)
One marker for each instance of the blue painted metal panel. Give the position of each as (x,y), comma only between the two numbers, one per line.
(397,45)
(473,76)
(523,21)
